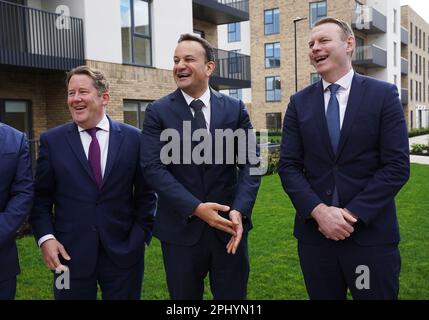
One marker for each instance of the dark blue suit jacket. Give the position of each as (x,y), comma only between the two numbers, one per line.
(69,205)
(370,167)
(16,195)
(182,187)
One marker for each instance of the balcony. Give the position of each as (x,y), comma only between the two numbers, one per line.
(404,66)
(221,11)
(370,57)
(39,39)
(368,20)
(232,70)
(404,96)
(404,36)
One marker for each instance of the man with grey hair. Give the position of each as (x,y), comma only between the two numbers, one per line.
(93,210)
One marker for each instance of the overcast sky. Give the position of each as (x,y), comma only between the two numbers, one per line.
(419,6)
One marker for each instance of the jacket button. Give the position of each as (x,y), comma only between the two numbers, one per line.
(328,192)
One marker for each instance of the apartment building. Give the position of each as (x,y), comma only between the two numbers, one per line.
(131,41)
(416,77)
(276,25)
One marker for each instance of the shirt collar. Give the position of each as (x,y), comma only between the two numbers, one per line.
(205,98)
(345,82)
(103,125)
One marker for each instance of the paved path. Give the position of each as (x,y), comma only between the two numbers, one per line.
(424,139)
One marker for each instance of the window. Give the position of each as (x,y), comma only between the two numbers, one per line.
(359,52)
(234,60)
(411,119)
(424,40)
(395,79)
(420,38)
(395,56)
(420,65)
(411,61)
(135,30)
(317,11)
(314,77)
(411,32)
(274,121)
(394,21)
(200,33)
(416,34)
(134,111)
(416,63)
(271,21)
(420,91)
(411,89)
(272,55)
(16,113)
(234,33)
(272,89)
(236,93)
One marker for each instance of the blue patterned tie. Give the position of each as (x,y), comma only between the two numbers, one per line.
(333,117)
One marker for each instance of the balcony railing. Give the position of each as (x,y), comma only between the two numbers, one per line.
(39,39)
(370,57)
(369,20)
(232,70)
(404,96)
(404,66)
(221,11)
(404,36)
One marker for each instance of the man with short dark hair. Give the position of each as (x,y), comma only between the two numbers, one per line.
(93,210)
(344,157)
(204,209)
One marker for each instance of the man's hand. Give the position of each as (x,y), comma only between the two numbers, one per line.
(232,245)
(334,223)
(208,211)
(50,250)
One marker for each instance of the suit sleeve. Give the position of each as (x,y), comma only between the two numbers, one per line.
(394,168)
(291,165)
(21,195)
(41,218)
(144,204)
(248,182)
(156,173)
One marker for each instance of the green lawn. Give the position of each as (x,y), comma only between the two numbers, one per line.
(275,271)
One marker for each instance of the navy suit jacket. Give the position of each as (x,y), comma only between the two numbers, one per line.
(182,187)
(69,204)
(370,166)
(16,195)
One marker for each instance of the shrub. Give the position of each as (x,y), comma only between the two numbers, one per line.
(418,148)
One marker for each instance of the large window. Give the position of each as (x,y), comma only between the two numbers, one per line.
(272,55)
(274,121)
(314,77)
(136,34)
(272,89)
(16,113)
(236,93)
(317,11)
(234,32)
(271,21)
(234,62)
(134,111)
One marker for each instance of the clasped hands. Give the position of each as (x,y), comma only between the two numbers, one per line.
(208,212)
(334,223)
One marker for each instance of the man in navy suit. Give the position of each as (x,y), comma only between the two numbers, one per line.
(204,209)
(93,211)
(16,199)
(344,157)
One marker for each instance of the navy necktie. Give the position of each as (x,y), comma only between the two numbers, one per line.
(199,119)
(94,156)
(333,116)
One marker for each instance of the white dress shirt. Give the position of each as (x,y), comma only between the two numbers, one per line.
(342,94)
(85,138)
(205,98)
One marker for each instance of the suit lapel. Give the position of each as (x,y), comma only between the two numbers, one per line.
(180,107)
(116,138)
(319,100)
(73,138)
(217,108)
(354,102)
(1,138)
